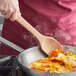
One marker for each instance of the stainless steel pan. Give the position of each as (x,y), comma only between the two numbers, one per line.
(32,54)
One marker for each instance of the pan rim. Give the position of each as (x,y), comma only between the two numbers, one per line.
(39,47)
(42,71)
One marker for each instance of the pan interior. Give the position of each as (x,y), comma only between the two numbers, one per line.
(30,55)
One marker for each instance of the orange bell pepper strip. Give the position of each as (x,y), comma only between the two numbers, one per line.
(74,70)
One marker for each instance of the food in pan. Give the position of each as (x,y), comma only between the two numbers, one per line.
(57,62)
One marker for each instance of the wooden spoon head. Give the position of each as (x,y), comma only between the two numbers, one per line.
(49,44)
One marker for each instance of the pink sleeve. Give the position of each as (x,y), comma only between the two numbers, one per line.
(68,21)
(71,4)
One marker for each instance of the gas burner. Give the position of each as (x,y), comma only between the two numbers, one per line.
(9,66)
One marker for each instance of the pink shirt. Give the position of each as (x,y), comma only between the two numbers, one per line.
(56,18)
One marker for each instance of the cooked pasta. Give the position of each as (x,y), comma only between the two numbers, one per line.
(57,62)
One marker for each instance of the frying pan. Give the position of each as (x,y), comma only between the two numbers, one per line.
(27,56)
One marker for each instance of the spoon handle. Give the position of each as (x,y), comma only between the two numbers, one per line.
(26,25)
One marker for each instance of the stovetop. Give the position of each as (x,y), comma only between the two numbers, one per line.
(9,66)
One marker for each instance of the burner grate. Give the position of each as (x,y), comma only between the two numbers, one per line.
(9,66)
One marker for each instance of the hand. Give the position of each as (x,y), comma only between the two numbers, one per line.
(9,8)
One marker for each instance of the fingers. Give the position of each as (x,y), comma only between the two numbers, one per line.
(14,16)
(8,15)
(9,8)
(16,10)
(16,5)
(3,13)
(9,12)
(3,7)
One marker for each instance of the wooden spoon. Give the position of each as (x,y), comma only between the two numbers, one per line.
(47,43)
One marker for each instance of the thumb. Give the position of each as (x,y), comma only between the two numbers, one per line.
(17,7)
(15,3)
(18,10)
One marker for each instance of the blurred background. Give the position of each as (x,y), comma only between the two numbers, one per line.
(1,22)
